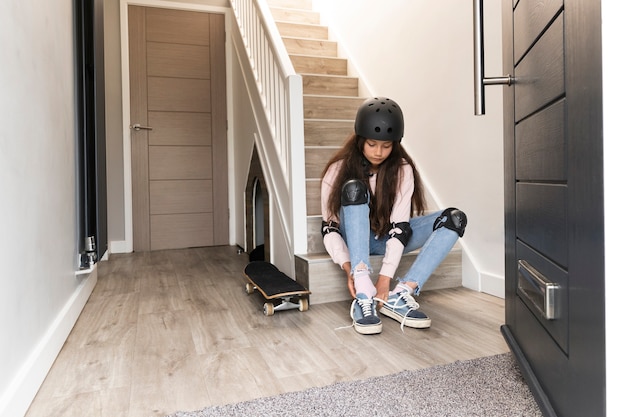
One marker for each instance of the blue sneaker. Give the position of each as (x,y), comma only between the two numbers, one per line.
(364,316)
(402,307)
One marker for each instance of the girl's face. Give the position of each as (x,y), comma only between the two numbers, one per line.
(376,151)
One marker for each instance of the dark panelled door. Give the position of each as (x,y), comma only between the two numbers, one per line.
(554,202)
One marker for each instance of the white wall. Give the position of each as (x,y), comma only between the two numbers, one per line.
(420,54)
(613,34)
(40,295)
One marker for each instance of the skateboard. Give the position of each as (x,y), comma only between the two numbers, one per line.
(279,291)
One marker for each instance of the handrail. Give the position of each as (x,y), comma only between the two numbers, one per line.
(480,81)
(279,90)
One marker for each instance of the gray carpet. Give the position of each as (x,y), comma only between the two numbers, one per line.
(490,386)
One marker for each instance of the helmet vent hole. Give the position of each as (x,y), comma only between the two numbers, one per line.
(389,130)
(377,129)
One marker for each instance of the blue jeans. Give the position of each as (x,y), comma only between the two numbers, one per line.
(354,225)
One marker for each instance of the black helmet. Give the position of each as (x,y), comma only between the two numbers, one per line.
(380,119)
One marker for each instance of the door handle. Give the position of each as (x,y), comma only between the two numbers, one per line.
(480,81)
(538,289)
(139,127)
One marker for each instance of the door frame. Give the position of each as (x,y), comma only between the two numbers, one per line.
(126,246)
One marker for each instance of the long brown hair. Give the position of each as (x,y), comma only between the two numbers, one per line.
(356,166)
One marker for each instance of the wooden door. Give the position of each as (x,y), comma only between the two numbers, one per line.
(554,202)
(178,145)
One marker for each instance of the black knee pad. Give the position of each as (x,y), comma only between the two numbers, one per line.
(452,218)
(353,192)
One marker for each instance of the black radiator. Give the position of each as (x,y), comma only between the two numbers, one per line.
(91,133)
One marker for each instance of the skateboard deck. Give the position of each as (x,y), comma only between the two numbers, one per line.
(275,286)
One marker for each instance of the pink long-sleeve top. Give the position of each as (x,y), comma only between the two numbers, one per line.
(401,212)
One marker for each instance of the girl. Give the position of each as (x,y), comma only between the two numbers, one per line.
(370,190)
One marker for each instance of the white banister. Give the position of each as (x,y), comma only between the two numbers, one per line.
(280,93)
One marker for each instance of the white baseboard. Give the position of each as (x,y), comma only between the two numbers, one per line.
(120,246)
(24,386)
(492,284)
(481,281)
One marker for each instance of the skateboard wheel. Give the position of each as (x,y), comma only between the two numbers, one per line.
(249,288)
(268,309)
(303,304)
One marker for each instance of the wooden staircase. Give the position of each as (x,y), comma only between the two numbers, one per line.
(331,99)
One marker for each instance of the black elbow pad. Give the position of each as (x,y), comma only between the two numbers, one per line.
(329,227)
(401,231)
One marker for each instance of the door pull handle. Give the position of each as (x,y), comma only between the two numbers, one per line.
(538,289)
(139,127)
(480,81)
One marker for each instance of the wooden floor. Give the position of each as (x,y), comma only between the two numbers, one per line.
(175,330)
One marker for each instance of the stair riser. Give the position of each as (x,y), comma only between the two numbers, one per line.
(327,282)
(319,65)
(315,243)
(296,16)
(292,4)
(302,31)
(330,86)
(331,107)
(313,208)
(327,132)
(315,161)
(311,47)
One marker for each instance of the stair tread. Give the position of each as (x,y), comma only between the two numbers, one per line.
(312,119)
(306,39)
(299,38)
(329,120)
(332,98)
(313,257)
(290,7)
(312,74)
(323,256)
(297,9)
(309,25)
(318,56)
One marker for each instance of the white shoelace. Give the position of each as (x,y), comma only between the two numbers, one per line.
(365,304)
(409,302)
(366,308)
